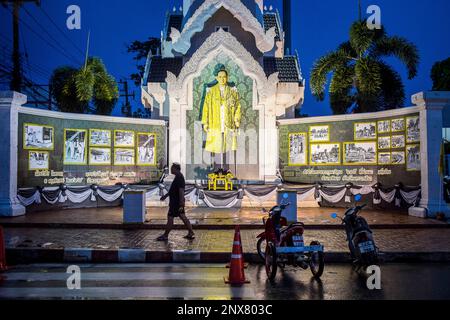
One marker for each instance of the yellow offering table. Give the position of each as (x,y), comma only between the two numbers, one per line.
(220,182)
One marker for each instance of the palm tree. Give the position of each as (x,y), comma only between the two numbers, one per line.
(74,90)
(361,81)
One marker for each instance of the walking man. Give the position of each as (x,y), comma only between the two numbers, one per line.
(176,204)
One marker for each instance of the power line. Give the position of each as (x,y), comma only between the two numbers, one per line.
(60,30)
(46,31)
(45,40)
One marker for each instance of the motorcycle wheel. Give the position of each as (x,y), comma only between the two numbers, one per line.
(260,247)
(271,261)
(316,262)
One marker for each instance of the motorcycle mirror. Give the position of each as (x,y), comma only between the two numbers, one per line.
(334,215)
(358,197)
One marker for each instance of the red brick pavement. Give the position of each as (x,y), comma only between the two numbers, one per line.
(404,240)
(207,217)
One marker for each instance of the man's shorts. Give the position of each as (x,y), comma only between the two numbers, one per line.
(175,212)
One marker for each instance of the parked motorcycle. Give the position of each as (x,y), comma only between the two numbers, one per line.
(362,246)
(285,245)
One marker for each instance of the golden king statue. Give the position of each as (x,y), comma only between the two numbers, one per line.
(221,115)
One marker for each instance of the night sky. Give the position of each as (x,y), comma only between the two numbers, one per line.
(319,27)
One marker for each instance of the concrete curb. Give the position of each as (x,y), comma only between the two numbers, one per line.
(86,255)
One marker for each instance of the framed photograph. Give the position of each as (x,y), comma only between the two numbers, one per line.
(319,133)
(324,154)
(75,146)
(124,157)
(360,153)
(366,131)
(38,137)
(398,125)
(384,143)
(38,160)
(298,147)
(384,126)
(412,129)
(398,141)
(398,157)
(413,157)
(146,149)
(100,156)
(384,158)
(123,139)
(99,138)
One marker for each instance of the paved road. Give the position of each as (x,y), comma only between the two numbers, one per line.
(205,281)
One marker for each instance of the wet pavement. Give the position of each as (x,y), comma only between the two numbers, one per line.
(113,217)
(205,281)
(388,240)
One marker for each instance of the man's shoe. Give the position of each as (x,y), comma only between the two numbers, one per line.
(162,238)
(190,237)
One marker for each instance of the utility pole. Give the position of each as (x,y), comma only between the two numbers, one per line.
(359,11)
(126,109)
(16,81)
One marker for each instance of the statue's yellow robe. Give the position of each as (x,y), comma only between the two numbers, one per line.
(216,142)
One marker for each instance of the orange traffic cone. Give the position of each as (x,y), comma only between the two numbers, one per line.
(237,275)
(238,234)
(3,266)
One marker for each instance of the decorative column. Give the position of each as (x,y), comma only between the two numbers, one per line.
(432,201)
(10,102)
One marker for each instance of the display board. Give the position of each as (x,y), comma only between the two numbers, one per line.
(54,151)
(362,152)
(245,145)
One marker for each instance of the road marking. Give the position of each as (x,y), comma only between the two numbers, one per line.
(121,265)
(114,276)
(128,292)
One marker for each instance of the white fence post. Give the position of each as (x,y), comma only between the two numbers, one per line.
(10,102)
(431,123)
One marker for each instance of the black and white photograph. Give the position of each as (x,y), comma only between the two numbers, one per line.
(412,129)
(398,141)
(384,158)
(366,131)
(38,160)
(99,138)
(99,156)
(297,149)
(146,149)
(356,153)
(75,146)
(319,134)
(38,137)
(398,125)
(413,157)
(325,154)
(124,157)
(123,138)
(384,143)
(384,126)
(398,157)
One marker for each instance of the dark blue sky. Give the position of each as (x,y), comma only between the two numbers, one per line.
(319,26)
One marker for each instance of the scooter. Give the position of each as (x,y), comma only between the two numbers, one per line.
(362,247)
(285,245)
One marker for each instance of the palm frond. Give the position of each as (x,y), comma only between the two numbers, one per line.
(322,68)
(368,76)
(400,48)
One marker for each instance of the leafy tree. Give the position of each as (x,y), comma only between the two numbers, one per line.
(88,89)
(361,81)
(141,49)
(440,74)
